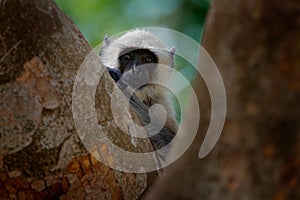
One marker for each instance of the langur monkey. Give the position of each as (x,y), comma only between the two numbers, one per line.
(125,57)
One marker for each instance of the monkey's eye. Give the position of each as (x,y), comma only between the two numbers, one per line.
(127,57)
(148,60)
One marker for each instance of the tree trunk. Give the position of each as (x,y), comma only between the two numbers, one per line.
(256,45)
(41,155)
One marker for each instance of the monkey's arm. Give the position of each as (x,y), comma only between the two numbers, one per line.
(114,73)
(164,136)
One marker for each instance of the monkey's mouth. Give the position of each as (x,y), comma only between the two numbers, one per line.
(137,80)
(133,84)
(142,87)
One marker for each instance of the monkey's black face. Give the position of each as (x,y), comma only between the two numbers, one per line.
(133,58)
(137,67)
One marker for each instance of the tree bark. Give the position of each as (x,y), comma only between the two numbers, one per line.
(41,155)
(255,44)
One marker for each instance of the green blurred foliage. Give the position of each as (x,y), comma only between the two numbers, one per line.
(97,18)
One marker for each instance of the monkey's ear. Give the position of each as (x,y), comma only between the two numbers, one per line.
(172,50)
(106,40)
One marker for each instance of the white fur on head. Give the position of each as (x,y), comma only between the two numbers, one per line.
(140,39)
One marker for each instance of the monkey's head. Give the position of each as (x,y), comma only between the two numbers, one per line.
(135,54)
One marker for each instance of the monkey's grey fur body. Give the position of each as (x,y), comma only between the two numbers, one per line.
(150,94)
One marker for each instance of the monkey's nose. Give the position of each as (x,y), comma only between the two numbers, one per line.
(135,67)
